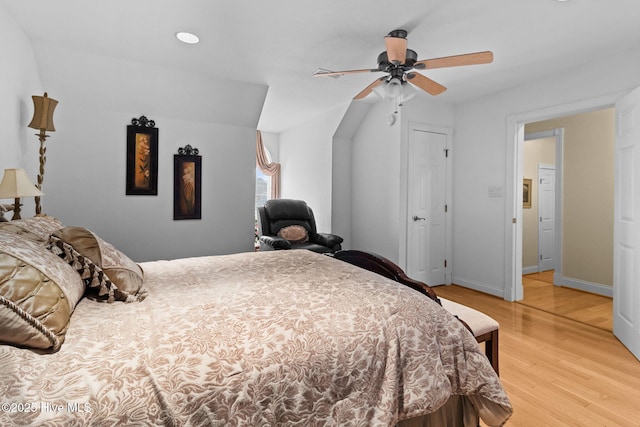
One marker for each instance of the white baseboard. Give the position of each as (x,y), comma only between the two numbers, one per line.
(568,282)
(481,287)
(582,285)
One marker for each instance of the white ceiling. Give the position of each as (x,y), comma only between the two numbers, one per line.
(280,43)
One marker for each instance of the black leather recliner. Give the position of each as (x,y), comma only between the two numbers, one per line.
(280,218)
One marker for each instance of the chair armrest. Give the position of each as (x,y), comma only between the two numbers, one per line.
(275,242)
(327,239)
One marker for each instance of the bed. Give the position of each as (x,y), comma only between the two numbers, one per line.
(287,338)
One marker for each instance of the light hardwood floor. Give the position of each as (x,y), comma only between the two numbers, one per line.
(557,371)
(585,307)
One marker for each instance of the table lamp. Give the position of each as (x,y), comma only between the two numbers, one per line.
(16,184)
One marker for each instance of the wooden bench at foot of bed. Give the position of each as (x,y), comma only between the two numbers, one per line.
(484,328)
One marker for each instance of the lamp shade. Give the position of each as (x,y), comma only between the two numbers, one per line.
(16,183)
(43,112)
(408,92)
(393,88)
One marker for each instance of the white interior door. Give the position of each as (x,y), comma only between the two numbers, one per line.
(426,229)
(626,239)
(547,215)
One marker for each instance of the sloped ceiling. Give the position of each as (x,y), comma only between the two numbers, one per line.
(279,44)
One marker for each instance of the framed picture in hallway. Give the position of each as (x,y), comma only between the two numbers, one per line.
(526,193)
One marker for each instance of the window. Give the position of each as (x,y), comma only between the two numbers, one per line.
(267,182)
(263,193)
(263,183)
(263,187)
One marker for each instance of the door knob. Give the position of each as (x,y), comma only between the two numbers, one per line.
(417,218)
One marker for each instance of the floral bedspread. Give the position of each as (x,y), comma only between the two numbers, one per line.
(256,339)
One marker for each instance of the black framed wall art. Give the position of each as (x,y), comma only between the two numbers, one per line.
(187,184)
(142,157)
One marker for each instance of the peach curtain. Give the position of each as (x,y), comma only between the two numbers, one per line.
(271,169)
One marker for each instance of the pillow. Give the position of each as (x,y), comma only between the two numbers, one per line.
(37,228)
(294,234)
(38,293)
(125,274)
(99,286)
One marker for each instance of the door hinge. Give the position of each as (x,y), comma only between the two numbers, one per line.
(446,152)
(446,208)
(540,257)
(513,220)
(445,263)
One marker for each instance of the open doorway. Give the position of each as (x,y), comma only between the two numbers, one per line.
(542,200)
(567,237)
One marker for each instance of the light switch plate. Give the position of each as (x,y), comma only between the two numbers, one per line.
(495,191)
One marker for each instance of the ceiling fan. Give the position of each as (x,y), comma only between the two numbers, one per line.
(398,62)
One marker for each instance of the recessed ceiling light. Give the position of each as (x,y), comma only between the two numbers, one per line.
(186,37)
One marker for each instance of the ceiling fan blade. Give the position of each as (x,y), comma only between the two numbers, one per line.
(328,73)
(367,90)
(396,49)
(455,61)
(425,83)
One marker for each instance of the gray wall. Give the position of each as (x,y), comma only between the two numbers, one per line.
(376,184)
(306,157)
(86,157)
(19,79)
(370,166)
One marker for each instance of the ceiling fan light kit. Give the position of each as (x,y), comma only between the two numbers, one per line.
(393,88)
(399,62)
